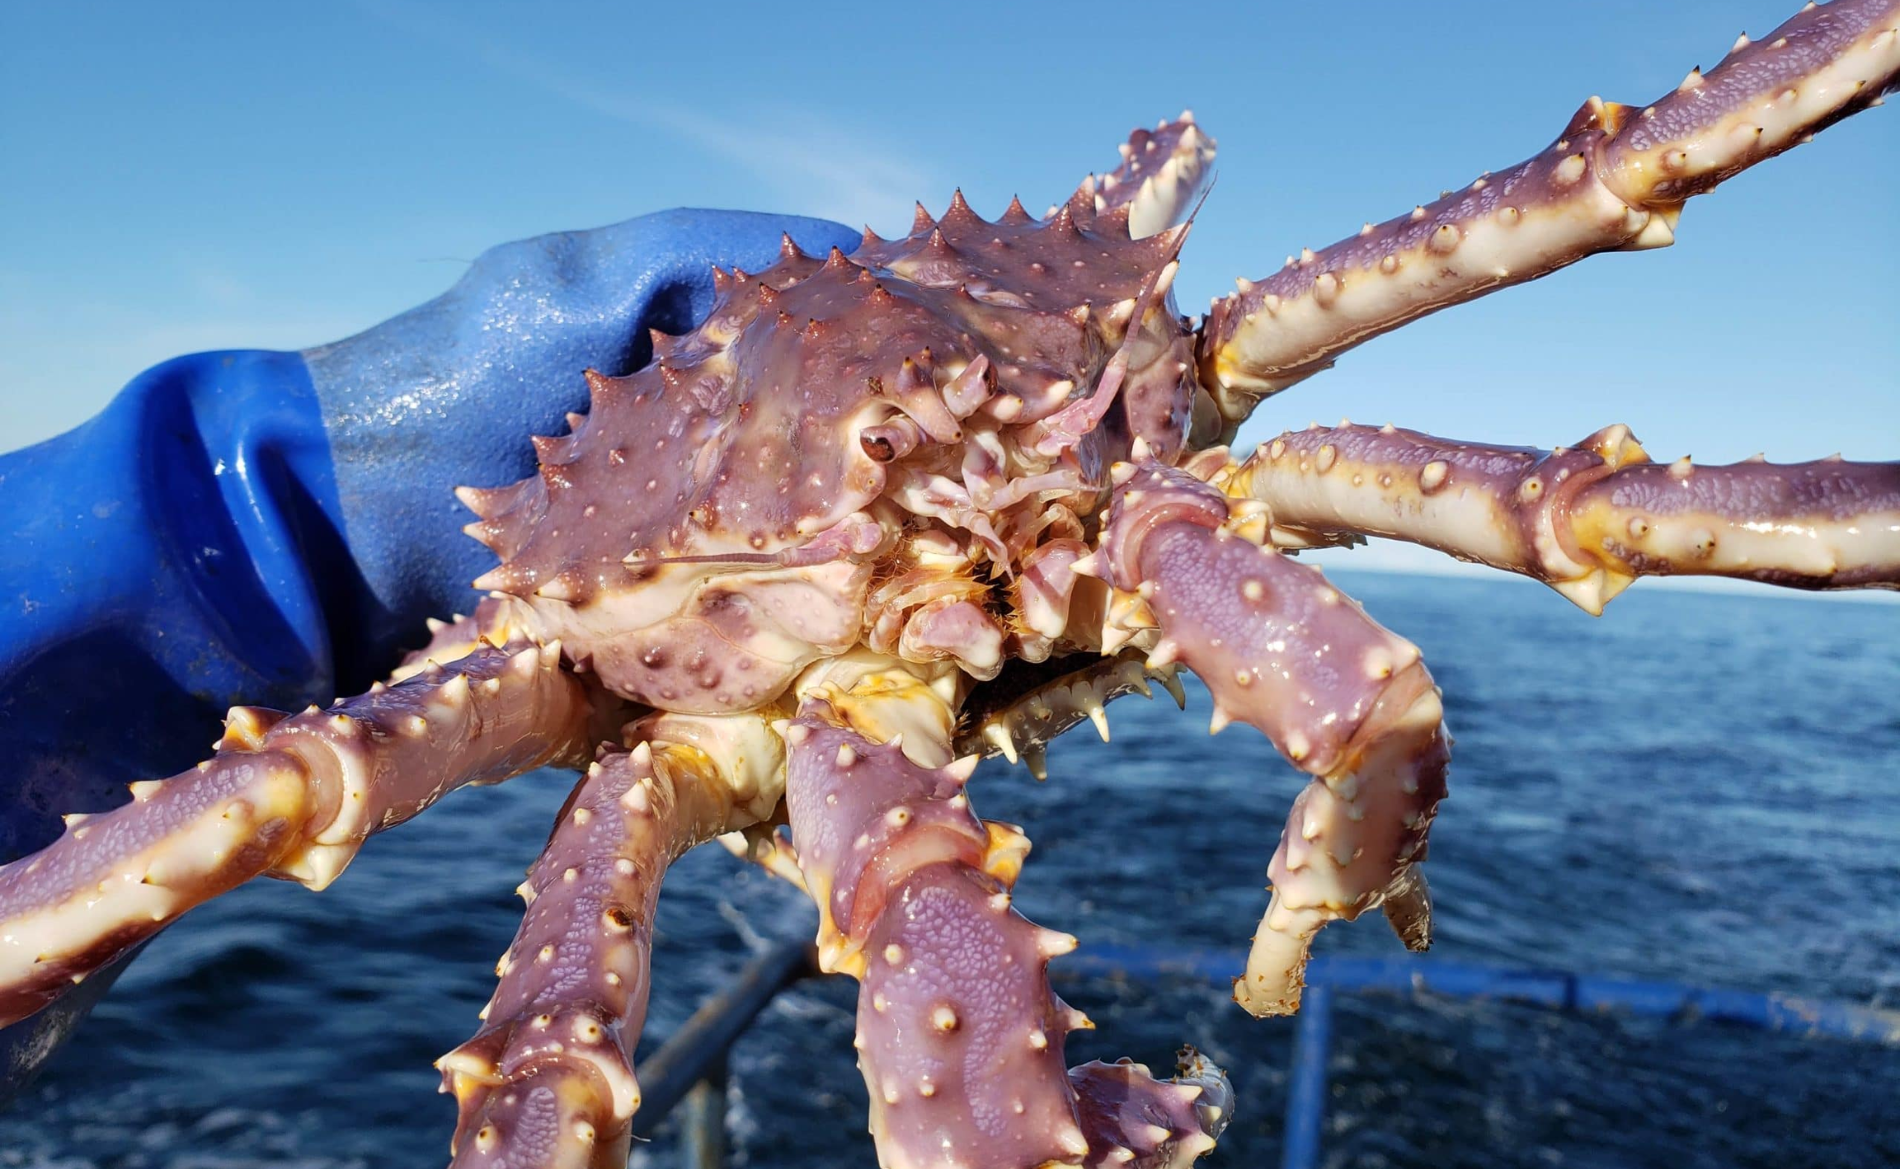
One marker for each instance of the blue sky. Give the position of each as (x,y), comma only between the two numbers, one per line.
(183,177)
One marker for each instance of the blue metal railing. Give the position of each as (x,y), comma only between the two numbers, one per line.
(1550,989)
(691,1066)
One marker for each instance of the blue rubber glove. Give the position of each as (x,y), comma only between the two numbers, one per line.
(273,528)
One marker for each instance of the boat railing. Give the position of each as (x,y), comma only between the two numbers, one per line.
(687,1074)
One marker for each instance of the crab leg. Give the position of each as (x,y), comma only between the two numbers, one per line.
(1589,519)
(1615,179)
(292,796)
(548,1081)
(1346,701)
(959,1036)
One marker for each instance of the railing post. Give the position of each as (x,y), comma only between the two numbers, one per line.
(703,1121)
(1306,1079)
(700,1045)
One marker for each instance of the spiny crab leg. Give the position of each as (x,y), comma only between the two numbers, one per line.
(959,1036)
(1345,700)
(1616,178)
(1021,729)
(1587,520)
(548,1081)
(293,796)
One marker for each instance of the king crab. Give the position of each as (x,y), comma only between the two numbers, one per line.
(880,515)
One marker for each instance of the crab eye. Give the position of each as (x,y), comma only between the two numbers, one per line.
(893,438)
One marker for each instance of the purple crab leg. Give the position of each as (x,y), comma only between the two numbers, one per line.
(960,1038)
(293,796)
(1346,701)
(911,889)
(1615,179)
(1589,519)
(548,1081)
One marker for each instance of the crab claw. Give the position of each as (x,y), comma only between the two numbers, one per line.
(1166,1123)
(1161,172)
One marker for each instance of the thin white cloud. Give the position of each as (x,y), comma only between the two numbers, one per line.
(800,160)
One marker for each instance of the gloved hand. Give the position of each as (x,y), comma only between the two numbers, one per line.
(273,528)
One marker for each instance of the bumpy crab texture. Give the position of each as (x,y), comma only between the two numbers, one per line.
(883,513)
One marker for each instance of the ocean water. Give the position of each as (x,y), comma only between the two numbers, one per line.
(1703,788)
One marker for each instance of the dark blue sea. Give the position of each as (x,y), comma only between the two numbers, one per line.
(1697,787)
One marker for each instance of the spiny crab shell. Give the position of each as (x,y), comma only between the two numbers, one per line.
(905,446)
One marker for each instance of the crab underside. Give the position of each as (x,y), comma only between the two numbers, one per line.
(882,514)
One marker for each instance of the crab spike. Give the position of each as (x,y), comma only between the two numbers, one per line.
(1015,215)
(922,221)
(960,213)
(788,248)
(1062,226)
(1036,758)
(486,502)
(1588,519)
(600,387)
(998,734)
(1615,179)
(566,586)
(762,845)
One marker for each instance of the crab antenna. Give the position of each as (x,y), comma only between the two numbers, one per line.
(1615,179)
